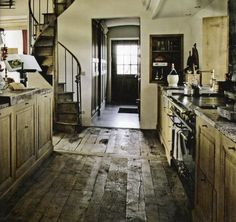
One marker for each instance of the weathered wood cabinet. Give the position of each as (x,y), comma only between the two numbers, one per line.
(215,194)
(165,125)
(25,138)
(205,192)
(215,47)
(227,198)
(44,107)
(24,119)
(6,148)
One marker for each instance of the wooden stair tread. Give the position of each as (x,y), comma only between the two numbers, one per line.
(69,124)
(44,46)
(67,102)
(49,13)
(61,3)
(61,93)
(65,113)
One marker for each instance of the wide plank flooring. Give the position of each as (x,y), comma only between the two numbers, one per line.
(101,175)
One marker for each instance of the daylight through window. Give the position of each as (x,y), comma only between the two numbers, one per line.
(127,59)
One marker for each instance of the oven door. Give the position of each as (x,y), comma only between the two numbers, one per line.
(183,150)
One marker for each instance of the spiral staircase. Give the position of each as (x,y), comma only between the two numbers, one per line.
(45,47)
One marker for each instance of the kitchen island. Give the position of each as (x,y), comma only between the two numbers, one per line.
(25,134)
(213,152)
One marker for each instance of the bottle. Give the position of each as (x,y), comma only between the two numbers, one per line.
(173,77)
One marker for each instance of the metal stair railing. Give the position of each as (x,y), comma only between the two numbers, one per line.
(72,75)
(37,9)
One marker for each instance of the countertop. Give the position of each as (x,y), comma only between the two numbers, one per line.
(11,98)
(226,127)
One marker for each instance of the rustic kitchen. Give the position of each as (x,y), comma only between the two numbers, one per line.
(57,165)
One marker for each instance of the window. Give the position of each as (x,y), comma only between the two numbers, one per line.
(127,59)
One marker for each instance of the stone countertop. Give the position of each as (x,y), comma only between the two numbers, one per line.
(226,127)
(11,98)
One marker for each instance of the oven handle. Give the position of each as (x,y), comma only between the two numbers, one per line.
(177,106)
(179,125)
(185,138)
(182,121)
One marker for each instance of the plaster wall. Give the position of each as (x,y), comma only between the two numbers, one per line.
(74,30)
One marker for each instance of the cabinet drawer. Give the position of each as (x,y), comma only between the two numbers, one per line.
(25,104)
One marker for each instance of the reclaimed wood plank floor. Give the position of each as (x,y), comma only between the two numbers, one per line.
(101,175)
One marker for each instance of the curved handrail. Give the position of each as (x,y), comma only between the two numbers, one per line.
(76,78)
(73,56)
(31,12)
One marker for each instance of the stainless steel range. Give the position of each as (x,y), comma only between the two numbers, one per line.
(183,146)
(183,134)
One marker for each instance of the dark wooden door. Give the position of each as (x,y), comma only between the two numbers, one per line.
(125,71)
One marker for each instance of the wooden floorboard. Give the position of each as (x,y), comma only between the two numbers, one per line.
(101,175)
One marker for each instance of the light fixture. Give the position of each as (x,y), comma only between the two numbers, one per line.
(7,4)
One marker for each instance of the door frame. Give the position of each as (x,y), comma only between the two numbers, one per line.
(109,85)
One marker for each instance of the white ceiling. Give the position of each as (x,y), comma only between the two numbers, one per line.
(174,8)
(157,9)
(121,21)
(162,9)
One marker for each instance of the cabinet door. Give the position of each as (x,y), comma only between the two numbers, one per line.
(215,47)
(206,151)
(229,180)
(25,136)
(205,192)
(44,103)
(6,143)
(166,126)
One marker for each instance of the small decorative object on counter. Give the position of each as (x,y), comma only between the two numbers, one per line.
(173,77)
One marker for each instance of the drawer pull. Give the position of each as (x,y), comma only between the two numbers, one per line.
(45,96)
(205,126)
(26,127)
(26,103)
(232,148)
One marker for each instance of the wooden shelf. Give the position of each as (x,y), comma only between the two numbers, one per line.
(165,49)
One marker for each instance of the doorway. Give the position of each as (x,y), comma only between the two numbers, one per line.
(125,71)
(120,67)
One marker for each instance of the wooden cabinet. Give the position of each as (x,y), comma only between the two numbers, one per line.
(205,192)
(25,136)
(165,50)
(215,47)
(44,121)
(227,198)
(165,125)
(215,194)
(6,146)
